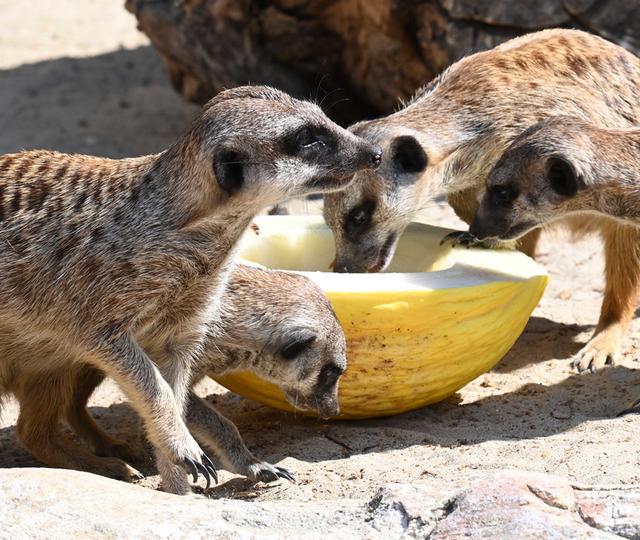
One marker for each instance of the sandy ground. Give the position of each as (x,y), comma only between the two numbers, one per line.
(77,76)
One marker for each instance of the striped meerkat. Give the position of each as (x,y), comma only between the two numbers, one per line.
(120,263)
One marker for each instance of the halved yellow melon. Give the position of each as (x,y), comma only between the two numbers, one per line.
(437,319)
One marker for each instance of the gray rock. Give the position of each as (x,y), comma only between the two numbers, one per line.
(517,505)
(50,503)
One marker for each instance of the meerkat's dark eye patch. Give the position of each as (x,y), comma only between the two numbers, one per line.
(306,137)
(358,220)
(407,155)
(329,375)
(308,141)
(561,177)
(228,166)
(503,195)
(296,347)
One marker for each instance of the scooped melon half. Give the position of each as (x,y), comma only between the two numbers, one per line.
(437,319)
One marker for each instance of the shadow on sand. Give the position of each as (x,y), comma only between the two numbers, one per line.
(531,411)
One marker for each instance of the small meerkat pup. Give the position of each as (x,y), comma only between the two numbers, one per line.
(560,167)
(276,324)
(448,137)
(119,263)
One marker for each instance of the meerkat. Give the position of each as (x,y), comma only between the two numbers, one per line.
(118,263)
(559,167)
(276,324)
(450,135)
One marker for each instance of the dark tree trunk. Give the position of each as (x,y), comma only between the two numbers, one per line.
(359,56)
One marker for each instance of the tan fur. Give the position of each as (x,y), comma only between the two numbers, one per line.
(264,312)
(566,167)
(463,121)
(120,263)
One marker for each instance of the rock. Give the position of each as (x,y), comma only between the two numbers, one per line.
(358,57)
(616,511)
(409,510)
(51,503)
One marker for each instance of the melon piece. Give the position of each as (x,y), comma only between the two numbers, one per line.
(434,321)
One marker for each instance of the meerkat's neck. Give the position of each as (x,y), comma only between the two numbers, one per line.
(194,202)
(615,173)
(218,359)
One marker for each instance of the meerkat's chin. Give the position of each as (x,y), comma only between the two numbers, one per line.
(519,230)
(326,184)
(385,255)
(304,403)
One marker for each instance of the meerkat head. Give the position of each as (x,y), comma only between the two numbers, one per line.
(289,325)
(538,179)
(368,217)
(260,146)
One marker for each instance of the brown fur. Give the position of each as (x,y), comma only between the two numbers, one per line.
(264,312)
(463,121)
(561,167)
(120,263)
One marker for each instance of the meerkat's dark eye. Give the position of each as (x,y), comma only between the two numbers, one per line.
(562,178)
(358,220)
(307,141)
(407,155)
(502,195)
(228,167)
(305,137)
(296,347)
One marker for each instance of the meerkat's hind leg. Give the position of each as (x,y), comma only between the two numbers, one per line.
(222,436)
(622,271)
(87,379)
(38,429)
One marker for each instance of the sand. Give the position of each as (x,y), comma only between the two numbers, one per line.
(78,77)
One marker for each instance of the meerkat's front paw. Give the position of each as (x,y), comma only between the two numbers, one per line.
(191,458)
(601,351)
(265,472)
(203,465)
(466,239)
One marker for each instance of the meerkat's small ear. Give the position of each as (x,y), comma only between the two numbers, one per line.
(228,166)
(562,177)
(407,155)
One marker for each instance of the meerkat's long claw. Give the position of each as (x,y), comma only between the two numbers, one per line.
(284,473)
(205,473)
(192,468)
(634,409)
(210,467)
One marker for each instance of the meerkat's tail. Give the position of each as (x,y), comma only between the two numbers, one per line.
(635,408)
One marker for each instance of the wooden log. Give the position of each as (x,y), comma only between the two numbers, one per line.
(359,57)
